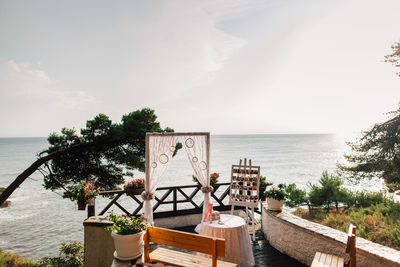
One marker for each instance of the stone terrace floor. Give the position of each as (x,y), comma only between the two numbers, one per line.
(264,254)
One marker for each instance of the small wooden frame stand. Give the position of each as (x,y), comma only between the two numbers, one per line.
(245,185)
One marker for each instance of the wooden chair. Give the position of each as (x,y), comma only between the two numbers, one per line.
(186,241)
(323,259)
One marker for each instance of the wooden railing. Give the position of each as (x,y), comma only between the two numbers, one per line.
(221,192)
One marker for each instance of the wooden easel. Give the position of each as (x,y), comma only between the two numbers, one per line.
(244,188)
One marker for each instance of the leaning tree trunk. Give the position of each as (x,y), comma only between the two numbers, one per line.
(22,177)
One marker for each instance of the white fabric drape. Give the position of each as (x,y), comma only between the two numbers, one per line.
(197,151)
(160,152)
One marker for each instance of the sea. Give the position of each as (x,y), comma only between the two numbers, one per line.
(39,220)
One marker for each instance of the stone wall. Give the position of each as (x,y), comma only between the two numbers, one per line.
(98,243)
(300,239)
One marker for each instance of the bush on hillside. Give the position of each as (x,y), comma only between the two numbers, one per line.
(14,260)
(71,254)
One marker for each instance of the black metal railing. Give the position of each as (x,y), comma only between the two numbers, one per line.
(178,195)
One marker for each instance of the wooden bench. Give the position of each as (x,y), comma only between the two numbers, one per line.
(323,259)
(187,241)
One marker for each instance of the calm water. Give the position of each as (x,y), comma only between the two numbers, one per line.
(39,220)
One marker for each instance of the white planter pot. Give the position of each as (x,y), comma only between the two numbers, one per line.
(128,246)
(274,204)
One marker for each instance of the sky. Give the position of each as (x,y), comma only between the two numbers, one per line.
(225,67)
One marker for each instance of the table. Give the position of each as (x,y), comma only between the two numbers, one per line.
(237,239)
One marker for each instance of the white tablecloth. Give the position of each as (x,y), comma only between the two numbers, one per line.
(237,239)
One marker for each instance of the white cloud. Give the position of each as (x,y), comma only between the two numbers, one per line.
(222,10)
(31,104)
(279,66)
(29,74)
(23,80)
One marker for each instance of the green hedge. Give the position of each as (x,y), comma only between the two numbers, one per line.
(71,255)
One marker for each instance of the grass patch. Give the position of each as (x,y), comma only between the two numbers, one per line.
(379,223)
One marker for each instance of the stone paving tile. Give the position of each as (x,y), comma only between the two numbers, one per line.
(267,256)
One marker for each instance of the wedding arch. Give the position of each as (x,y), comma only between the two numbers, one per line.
(159,150)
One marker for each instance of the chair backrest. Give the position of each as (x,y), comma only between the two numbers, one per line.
(351,246)
(193,242)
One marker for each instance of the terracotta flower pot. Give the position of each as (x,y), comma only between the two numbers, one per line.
(275,205)
(134,192)
(128,246)
(81,205)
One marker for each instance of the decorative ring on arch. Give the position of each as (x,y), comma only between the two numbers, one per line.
(203,165)
(172,148)
(163,158)
(189,143)
(195,159)
(154,164)
(207,189)
(147,195)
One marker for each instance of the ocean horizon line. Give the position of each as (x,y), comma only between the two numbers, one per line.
(233,134)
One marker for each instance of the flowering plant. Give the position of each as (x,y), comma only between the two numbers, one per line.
(263,181)
(127,225)
(134,184)
(278,193)
(213,178)
(84,192)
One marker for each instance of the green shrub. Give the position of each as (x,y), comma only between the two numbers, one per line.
(320,216)
(366,198)
(294,196)
(379,223)
(277,193)
(8,259)
(71,255)
(330,192)
(315,196)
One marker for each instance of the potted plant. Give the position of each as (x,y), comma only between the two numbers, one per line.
(84,194)
(263,185)
(275,197)
(127,233)
(213,179)
(134,187)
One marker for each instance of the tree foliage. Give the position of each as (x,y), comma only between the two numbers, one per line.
(394,57)
(103,153)
(329,192)
(114,148)
(376,153)
(71,254)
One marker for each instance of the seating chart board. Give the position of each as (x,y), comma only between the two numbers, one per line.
(245,184)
